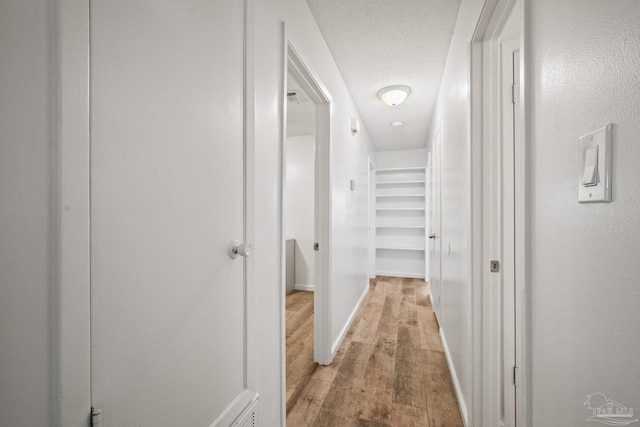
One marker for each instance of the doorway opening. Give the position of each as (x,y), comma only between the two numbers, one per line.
(306,210)
(299,203)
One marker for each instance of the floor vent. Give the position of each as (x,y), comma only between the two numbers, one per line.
(249,418)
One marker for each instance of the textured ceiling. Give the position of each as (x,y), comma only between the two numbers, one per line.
(378,43)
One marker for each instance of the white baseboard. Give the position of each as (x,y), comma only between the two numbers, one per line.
(308,288)
(352,316)
(400,274)
(454,378)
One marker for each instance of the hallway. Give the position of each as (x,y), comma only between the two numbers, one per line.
(390,369)
(144,207)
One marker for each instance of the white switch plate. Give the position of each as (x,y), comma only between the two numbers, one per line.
(601,192)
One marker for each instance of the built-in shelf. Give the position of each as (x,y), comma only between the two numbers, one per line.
(407,169)
(401,204)
(416,181)
(399,209)
(399,226)
(396,248)
(399,195)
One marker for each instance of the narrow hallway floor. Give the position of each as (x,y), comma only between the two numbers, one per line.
(390,370)
(299,336)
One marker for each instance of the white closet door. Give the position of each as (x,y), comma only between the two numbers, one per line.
(168,323)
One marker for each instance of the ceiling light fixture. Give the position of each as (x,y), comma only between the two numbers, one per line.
(396,124)
(394,95)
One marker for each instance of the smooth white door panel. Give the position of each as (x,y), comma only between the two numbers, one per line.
(167,198)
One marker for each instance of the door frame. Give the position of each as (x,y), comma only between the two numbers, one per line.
(436,303)
(319,95)
(427,216)
(487,220)
(371,196)
(506,244)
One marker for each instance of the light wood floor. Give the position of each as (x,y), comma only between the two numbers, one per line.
(299,333)
(390,369)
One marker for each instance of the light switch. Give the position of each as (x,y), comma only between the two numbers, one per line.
(594,161)
(590,174)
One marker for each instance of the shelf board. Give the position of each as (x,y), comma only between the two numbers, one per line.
(400,226)
(416,168)
(417,181)
(400,195)
(398,248)
(399,209)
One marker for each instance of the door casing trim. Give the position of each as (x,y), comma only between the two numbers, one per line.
(320,96)
(485,145)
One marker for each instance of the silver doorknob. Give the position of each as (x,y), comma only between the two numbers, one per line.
(432,236)
(236,248)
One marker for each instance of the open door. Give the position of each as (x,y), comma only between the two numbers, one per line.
(435,246)
(168,286)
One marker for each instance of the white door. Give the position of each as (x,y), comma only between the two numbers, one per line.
(435,246)
(167,198)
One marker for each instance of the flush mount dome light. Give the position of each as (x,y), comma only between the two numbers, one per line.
(394,95)
(397,124)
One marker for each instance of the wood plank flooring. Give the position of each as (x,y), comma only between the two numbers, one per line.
(299,337)
(390,370)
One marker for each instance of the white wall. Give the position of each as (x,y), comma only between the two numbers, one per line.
(452,119)
(299,204)
(583,74)
(349,160)
(401,158)
(26,291)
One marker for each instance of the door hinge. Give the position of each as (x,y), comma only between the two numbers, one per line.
(96,416)
(316,246)
(495,266)
(516,376)
(514,93)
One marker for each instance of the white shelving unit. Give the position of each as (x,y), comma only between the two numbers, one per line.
(400,222)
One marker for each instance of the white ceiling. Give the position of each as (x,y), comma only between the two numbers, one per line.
(378,43)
